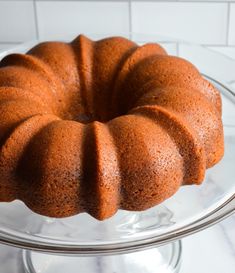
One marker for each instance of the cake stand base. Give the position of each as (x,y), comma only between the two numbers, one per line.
(164,259)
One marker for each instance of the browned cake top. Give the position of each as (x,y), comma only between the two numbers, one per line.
(97,126)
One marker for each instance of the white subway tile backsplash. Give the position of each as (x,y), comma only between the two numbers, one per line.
(232,25)
(203,1)
(17,22)
(225,50)
(209,62)
(171,48)
(71,18)
(210,22)
(17,0)
(6,46)
(204,23)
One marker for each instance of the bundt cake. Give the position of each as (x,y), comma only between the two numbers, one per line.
(94,126)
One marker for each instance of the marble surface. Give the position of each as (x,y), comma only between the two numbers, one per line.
(212,250)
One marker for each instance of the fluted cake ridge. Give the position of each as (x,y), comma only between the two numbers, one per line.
(97,126)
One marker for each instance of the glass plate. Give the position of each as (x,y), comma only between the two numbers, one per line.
(192,208)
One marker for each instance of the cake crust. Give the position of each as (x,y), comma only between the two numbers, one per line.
(97,126)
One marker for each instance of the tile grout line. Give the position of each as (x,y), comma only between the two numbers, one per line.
(10,42)
(67,1)
(174,1)
(36,18)
(157,1)
(228,24)
(215,45)
(172,42)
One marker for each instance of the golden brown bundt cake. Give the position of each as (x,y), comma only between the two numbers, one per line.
(97,126)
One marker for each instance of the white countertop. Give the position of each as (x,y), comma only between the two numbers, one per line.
(212,250)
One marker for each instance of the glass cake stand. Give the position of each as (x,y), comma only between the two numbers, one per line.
(147,241)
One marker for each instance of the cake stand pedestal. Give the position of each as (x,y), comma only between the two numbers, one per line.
(165,259)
